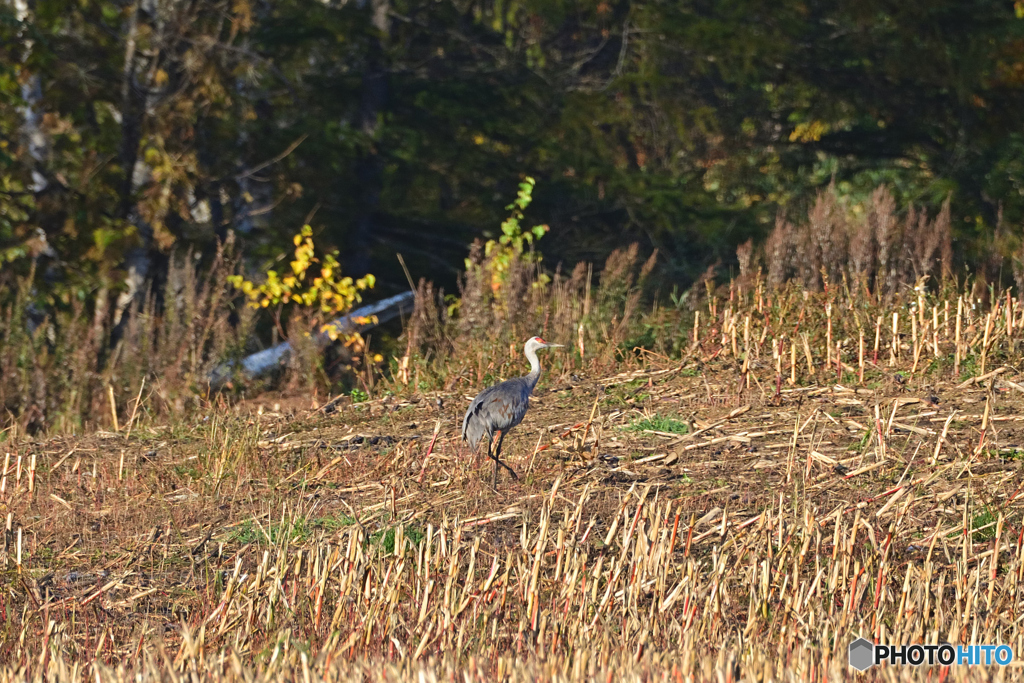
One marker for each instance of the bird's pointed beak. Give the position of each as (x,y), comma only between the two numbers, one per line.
(550,345)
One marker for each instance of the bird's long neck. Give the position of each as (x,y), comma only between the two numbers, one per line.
(531,355)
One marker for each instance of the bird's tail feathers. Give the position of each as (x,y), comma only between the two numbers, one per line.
(472,434)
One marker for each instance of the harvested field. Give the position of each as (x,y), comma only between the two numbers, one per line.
(702,518)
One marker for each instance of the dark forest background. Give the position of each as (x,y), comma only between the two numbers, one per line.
(129,130)
(135,132)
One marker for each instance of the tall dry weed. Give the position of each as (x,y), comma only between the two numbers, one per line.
(1017,265)
(882,219)
(744,256)
(920,243)
(617,297)
(429,327)
(779,252)
(872,248)
(826,227)
(568,299)
(480,337)
(944,228)
(60,374)
(474,294)
(861,238)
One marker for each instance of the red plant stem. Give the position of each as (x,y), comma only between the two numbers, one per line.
(430,448)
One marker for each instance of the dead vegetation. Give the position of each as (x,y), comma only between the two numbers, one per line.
(731,488)
(811,468)
(65,370)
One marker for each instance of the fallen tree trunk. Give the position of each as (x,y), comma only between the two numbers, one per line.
(263,362)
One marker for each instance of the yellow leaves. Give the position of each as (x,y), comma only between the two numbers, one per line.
(12,254)
(355,343)
(152,156)
(238,282)
(162,236)
(243,14)
(808,131)
(308,287)
(160,78)
(481,140)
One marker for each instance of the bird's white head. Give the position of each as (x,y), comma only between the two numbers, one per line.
(537,342)
(530,349)
(534,343)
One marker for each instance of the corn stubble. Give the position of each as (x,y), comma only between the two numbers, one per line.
(848,468)
(658,595)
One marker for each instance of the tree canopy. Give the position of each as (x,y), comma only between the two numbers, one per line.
(131,128)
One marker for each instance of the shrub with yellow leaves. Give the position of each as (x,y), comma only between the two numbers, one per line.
(319,293)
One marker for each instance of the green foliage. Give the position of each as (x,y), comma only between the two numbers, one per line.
(969,366)
(646,339)
(515,244)
(358,395)
(385,538)
(659,423)
(298,530)
(983,525)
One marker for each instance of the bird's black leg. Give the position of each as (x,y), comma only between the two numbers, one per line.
(490,454)
(497,462)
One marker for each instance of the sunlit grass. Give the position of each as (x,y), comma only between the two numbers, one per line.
(659,423)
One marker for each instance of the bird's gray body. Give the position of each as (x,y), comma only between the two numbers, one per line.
(498,408)
(502,407)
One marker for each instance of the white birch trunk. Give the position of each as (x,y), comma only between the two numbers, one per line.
(32,114)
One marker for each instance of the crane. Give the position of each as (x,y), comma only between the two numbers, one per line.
(501,407)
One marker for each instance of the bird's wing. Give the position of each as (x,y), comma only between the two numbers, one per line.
(506,408)
(501,407)
(465,420)
(474,412)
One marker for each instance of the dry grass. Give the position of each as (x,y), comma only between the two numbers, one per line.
(731,489)
(818,492)
(480,336)
(69,374)
(874,248)
(77,366)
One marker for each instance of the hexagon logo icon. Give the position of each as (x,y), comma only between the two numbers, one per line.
(862,654)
